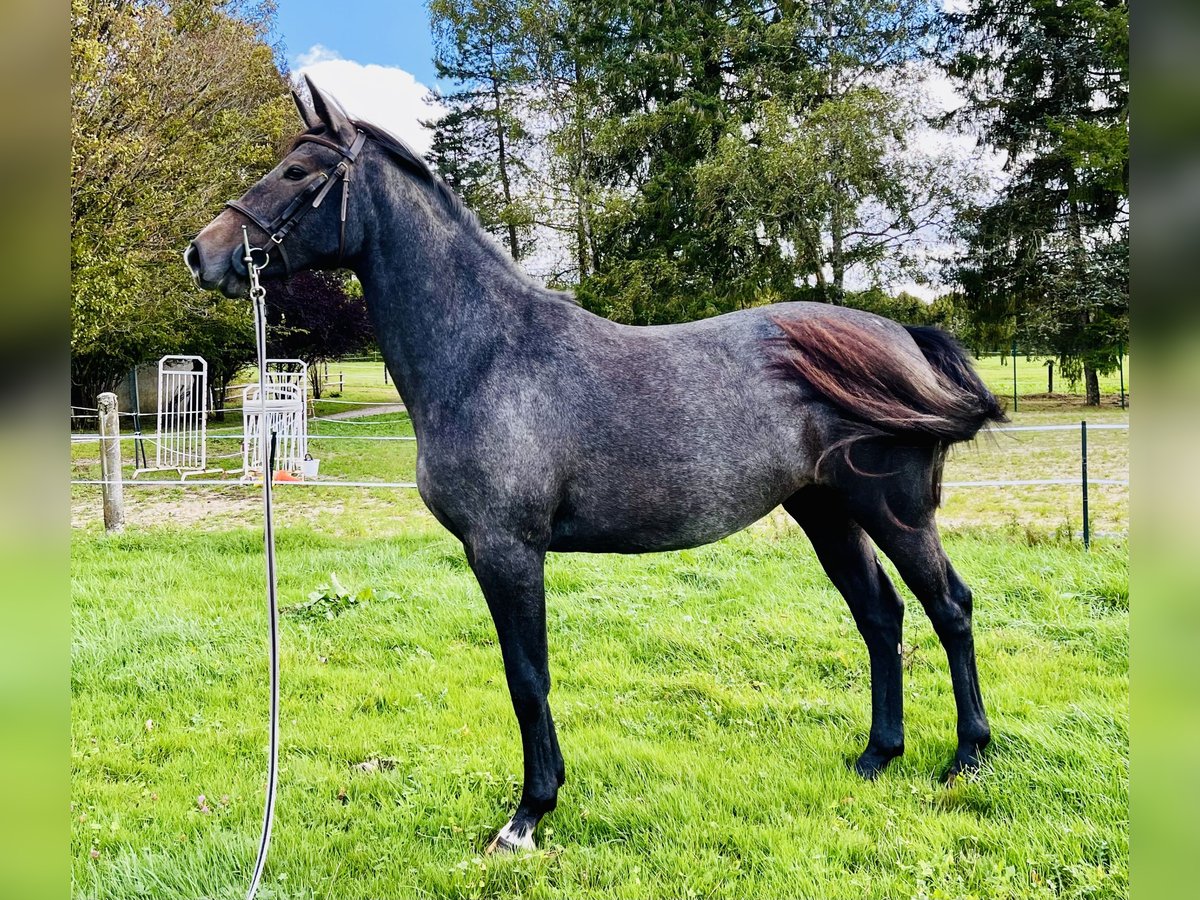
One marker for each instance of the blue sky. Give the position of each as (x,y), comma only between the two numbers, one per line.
(381,32)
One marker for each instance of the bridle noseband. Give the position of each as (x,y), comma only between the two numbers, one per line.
(281,225)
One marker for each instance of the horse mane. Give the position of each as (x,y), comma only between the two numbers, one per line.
(413,163)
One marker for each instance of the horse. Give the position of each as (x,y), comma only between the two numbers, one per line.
(542,427)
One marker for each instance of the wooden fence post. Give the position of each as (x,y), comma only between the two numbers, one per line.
(110,462)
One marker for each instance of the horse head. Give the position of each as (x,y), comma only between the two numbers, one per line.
(299,212)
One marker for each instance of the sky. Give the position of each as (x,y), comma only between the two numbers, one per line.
(374,56)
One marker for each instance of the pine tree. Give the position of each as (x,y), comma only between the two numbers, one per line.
(1048,83)
(481,145)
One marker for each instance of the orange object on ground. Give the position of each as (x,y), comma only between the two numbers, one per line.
(281,475)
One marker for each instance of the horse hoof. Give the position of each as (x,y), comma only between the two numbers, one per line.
(967,761)
(873,761)
(962,765)
(512,839)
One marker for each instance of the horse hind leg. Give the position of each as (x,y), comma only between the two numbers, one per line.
(851,564)
(911,541)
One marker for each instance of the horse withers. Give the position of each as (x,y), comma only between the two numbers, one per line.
(542,427)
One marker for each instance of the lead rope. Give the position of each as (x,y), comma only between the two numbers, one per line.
(258,297)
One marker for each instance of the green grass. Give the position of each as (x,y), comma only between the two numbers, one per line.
(708,702)
(996,371)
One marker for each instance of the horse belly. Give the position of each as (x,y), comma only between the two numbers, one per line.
(641,512)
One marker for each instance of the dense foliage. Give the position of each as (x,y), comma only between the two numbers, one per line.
(175,107)
(317,317)
(671,160)
(1048,83)
(695,156)
(668,159)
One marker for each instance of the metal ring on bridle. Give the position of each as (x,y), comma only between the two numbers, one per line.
(257,253)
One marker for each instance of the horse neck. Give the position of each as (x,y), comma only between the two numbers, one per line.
(442,295)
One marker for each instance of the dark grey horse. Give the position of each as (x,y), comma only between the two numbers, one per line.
(543,427)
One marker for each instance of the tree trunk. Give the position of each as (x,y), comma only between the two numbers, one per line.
(581,212)
(837,259)
(502,161)
(1091,381)
(218,388)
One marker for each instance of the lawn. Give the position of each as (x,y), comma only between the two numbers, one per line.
(997,370)
(708,701)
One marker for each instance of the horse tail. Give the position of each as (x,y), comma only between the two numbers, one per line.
(885,392)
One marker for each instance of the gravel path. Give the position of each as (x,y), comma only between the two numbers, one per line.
(359,412)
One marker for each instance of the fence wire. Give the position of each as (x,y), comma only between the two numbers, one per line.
(324,482)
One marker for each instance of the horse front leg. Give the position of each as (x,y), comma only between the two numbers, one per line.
(511,576)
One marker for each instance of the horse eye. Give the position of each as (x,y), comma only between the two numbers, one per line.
(294,173)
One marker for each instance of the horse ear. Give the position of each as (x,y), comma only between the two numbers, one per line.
(307,114)
(331,115)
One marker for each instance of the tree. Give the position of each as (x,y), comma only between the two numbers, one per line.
(826,165)
(1048,83)
(315,317)
(480,145)
(175,106)
(682,158)
(738,151)
(667,74)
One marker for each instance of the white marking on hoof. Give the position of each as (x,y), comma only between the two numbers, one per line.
(512,838)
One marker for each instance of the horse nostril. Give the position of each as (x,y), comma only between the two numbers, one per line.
(191,259)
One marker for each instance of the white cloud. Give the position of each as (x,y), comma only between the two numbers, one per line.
(386,96)
(317,53)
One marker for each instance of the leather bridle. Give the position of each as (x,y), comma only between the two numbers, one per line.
(279,227)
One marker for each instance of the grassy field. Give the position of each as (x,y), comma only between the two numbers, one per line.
(708,701)
(1032,383)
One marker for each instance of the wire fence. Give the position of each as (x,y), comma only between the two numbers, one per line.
(327,482)
(368,416)
(216,436)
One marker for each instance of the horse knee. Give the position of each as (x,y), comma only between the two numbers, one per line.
(951,616)
(529,690)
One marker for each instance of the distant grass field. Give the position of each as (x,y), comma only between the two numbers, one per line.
(1032,382)
(708,700)
(365,375)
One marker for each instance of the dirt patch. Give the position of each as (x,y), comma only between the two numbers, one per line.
(209,512)
(217,510)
